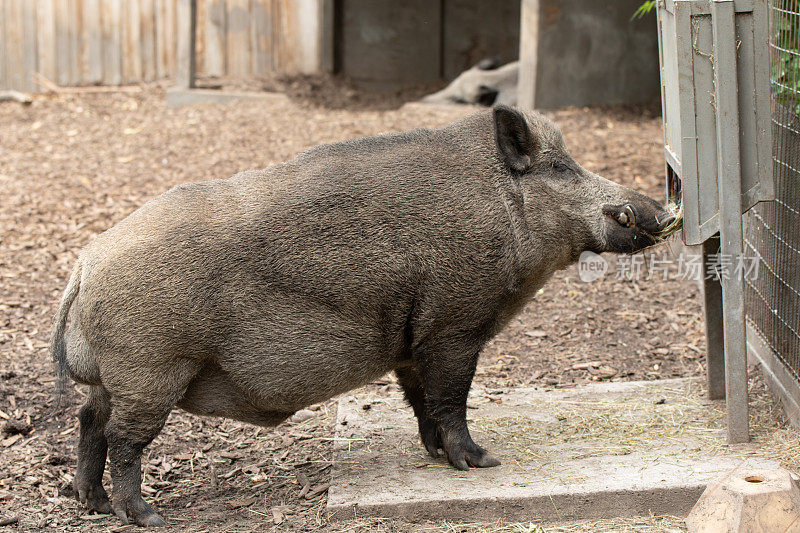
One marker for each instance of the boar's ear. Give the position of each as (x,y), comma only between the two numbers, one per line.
(515,141)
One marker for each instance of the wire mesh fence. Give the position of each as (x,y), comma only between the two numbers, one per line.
(772,229)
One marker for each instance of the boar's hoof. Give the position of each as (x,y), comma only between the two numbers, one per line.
(429,434)
(137,511)
(92,496)
(466,454)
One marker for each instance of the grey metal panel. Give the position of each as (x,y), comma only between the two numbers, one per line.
(747,101)
(705,123)
(689,107)
(669,91)
(761,89)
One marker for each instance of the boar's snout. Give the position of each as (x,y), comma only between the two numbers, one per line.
(635,224)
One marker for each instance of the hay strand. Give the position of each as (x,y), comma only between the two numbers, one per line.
(677,224)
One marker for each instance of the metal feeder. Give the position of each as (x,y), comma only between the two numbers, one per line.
(715,94)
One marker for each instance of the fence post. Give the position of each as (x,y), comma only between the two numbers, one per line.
(730,216)
(187,29)
(712,311)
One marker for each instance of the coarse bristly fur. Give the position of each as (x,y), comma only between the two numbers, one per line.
(254,296)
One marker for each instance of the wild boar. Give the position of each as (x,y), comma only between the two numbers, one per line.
(255,296)
(486,83)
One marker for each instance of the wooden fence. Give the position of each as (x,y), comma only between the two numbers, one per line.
(112,42)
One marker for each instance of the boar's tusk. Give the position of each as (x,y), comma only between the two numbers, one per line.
(630,217)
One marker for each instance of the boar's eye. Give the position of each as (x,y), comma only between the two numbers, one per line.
(560,167)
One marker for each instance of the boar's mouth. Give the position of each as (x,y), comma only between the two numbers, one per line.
(632,228)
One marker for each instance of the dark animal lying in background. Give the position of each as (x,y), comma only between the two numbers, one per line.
(486,83)
(255,296)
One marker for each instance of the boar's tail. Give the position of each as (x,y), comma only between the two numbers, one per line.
(58,347)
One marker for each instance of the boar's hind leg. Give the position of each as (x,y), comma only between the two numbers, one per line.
(132,426)
(447,368)
(411,381)
(92,451)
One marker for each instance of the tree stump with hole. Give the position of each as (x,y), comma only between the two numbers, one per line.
(748,501)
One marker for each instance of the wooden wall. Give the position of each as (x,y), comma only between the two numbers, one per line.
(112,42)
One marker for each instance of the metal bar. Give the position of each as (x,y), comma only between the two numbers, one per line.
(712,311)
(730,210)
(187,29)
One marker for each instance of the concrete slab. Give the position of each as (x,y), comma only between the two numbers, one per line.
(597,451)
(177,97)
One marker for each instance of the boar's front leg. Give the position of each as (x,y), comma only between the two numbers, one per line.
(411,381)
(447,368)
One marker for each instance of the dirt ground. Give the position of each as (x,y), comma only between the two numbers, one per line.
(73,165)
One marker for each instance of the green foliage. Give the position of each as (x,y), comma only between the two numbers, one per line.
(646,7)
(786,70)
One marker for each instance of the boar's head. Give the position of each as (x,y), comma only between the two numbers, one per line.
(559,196)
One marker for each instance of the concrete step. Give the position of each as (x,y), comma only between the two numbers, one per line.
(603,450)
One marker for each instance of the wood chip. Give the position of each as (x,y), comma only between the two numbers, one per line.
(536,333)
(586,366)
(9,521)
(10,440)
(237,504)
(231,455)
(93,516)
(318,491)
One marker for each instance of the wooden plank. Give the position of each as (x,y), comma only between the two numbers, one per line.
(165,38)
(63,42)
(148,39)
(12,15)
(77,58)
(30,60)
(4,81)
(46,39)
(111,31)
(92,42)
(238,38)
(528,54)
(282,37)
(131,42)
(261,37)
(161,58)
(185,66)
(215,30)
(200,37)
(171,23)
(135,36)
(306,18)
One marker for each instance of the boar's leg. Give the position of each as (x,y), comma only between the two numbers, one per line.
(88,482)
(447,369)
(132,426)
(411,382)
